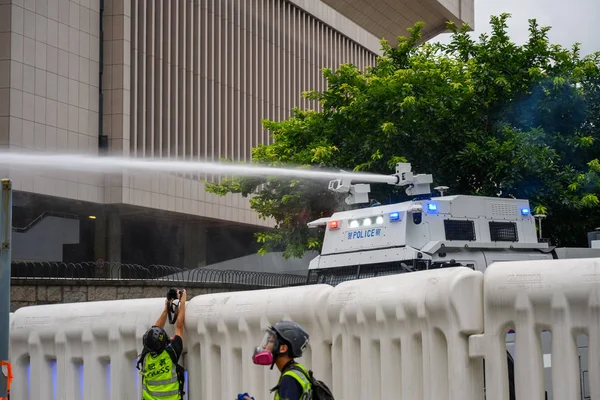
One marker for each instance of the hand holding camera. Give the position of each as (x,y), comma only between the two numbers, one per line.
(174,296)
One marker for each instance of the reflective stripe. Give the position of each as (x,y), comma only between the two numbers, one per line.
(161,394)
(163,381)
(299,377)
(302,380)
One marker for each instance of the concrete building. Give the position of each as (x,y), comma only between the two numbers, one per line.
(185,79)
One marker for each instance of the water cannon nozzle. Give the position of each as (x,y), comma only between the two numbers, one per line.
(357,193)
(340,185)
(417,184)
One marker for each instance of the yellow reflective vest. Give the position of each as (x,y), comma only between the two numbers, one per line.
(301,378)
(159,378)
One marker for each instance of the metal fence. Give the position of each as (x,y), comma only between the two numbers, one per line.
(93,270)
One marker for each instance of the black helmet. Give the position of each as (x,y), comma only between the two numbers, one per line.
(156,340)
(293,335)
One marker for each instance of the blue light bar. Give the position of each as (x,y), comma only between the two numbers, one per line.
(524,211)
(432,207)
(394,216)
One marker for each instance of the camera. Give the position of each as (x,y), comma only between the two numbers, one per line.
(173,296)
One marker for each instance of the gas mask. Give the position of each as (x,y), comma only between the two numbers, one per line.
(265,353)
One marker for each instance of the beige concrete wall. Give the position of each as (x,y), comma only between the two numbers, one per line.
(179,194)
(194,81)
(190,81)
(390,19)
(24,293)
(5,62)
(204,74)
(53,87)
(54,75)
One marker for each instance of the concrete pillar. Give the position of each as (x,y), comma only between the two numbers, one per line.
(114,237)
(100,245)
(100,235)
(194,245)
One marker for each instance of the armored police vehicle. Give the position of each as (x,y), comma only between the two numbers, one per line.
(434,232)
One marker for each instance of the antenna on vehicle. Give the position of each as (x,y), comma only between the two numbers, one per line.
(441,189)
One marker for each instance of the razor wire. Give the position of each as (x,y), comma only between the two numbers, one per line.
(115,271)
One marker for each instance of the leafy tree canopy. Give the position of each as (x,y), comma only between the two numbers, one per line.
(485,117)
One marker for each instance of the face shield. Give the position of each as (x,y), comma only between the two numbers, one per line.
(263,354)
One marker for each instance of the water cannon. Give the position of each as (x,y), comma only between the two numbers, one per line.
(417,184)
(357,193)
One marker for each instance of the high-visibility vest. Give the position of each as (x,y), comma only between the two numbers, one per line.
(301,378)
(160,381)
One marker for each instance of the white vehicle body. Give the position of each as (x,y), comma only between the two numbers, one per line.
(436,232)
(474,231)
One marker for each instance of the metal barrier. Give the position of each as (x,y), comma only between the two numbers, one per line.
(92,270)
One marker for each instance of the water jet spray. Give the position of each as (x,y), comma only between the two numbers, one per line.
(109,164)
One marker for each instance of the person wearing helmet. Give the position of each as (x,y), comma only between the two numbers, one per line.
(162,377)
(282,343)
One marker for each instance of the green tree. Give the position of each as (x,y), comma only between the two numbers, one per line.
(485,117)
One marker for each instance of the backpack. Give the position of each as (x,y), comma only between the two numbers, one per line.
(178,368)
(320,391)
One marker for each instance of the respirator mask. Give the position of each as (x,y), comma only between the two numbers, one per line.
(264,353)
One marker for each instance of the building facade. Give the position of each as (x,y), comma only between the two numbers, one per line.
(176,79)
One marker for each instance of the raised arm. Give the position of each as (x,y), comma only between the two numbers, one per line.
(181,315)
(162,319)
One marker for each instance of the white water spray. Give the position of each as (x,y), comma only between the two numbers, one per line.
(76,162)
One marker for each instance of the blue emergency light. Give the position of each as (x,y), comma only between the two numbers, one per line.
(394,216)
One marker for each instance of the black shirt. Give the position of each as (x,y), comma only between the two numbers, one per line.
(289,388)
(177,346)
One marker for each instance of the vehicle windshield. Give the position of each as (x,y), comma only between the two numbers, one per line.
(337,275)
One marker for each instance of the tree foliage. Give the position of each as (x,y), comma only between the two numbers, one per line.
(485,117)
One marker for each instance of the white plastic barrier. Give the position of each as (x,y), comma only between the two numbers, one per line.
(411,336)
(406,336)
(81,350)
(223,330)
(561,296)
